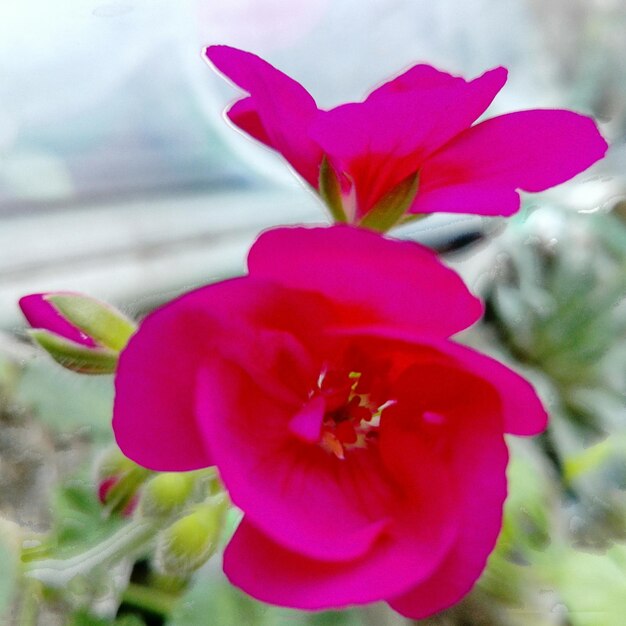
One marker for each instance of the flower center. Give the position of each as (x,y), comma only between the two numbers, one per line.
(354,403)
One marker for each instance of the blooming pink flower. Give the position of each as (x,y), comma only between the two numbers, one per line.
(364,447)
(420,122)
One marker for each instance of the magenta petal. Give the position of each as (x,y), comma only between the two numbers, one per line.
(476,197)
(381,141)
(243,114)
(418,77)
(413,545)
(373,278)
(284,108)
(154,413)
(528,150)
(522,409)
(153,417)
(307,423)
(294,492)
(41,314)
(299,582)
(479,462)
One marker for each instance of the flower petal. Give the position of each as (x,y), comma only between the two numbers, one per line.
(372,278)
(243,114)
(476,197)
(41,314)
(406,551)
(304,583)
(418,77)
(522,411)
(527,150)
(379,142)
(295,492)
(479,463)
(307,423)
(283,107)
(154,412)
(306,499)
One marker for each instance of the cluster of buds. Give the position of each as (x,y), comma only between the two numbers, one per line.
(187,508)
(190,508)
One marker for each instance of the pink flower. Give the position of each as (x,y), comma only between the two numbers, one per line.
(418,123)
(364,447)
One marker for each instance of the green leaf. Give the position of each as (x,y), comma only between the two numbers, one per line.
(330,191)
(98,320)
(391,208)
(75,356)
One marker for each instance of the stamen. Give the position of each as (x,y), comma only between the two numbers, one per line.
(354,400)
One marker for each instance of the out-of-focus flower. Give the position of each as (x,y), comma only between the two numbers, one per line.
(411,137)
(364,447)
(79,332)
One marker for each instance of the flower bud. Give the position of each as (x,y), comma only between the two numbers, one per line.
(110,497)
(118,480)
(189,542)
(166,494)
(113,463)
(79,332)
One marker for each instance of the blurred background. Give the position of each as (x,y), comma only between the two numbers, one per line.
(120,178)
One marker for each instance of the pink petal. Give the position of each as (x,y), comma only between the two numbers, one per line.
(370,277)
(415,78)
(476,197)
(381,141)
(479,463)
(243,114)
(295,492)
(284,109)
(154,414)
(528,150)
(307,423)
(41,314)
(522,411)
(424,526)
(296,581)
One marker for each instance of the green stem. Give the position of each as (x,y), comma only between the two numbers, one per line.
(150,599)
(127,541)
(29,609)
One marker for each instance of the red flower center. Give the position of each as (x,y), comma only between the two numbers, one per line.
(355,398)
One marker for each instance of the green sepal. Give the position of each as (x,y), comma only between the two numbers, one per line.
(121,493)
(97,320)
(167,493)
(74,356)
(189,542)
(330,191)
(409,218)
(391,208)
